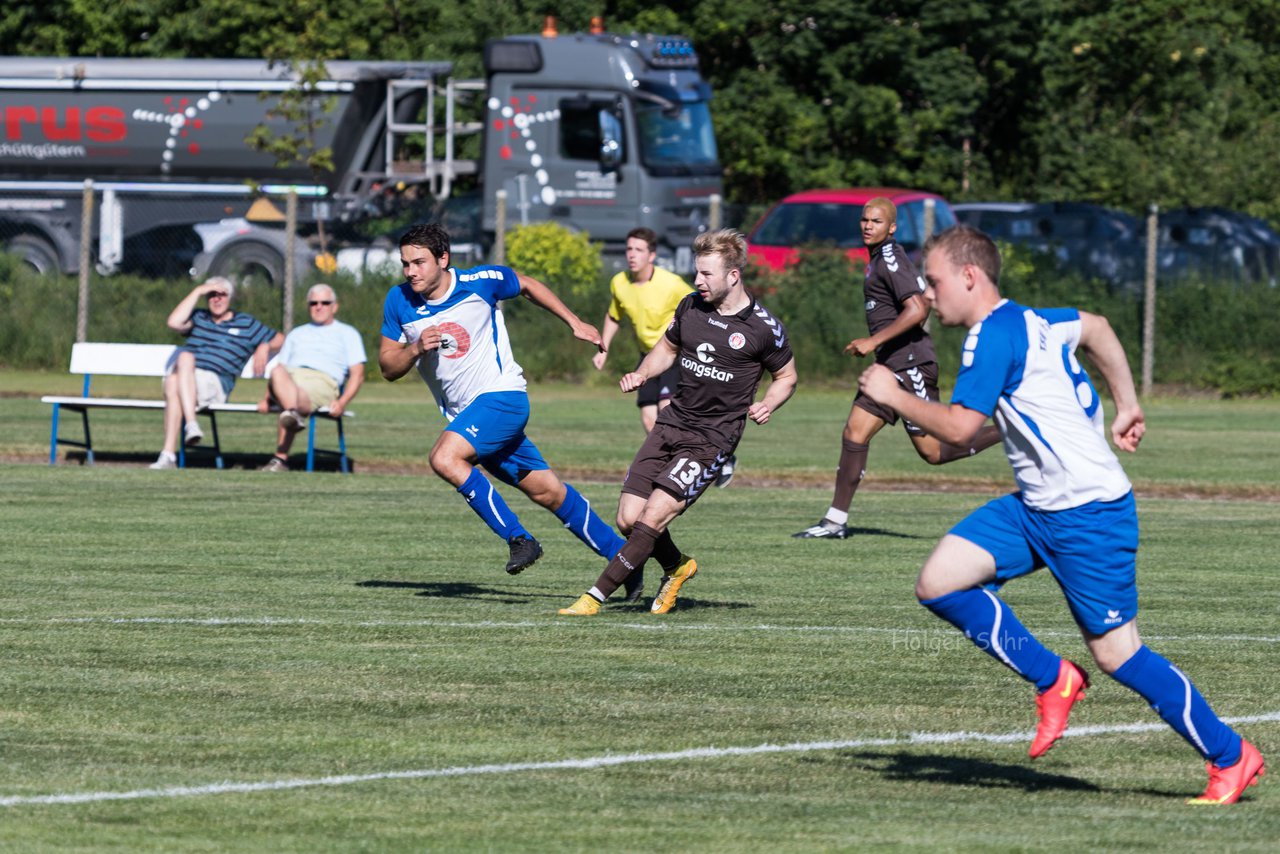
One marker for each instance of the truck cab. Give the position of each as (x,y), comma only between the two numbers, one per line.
(602,133)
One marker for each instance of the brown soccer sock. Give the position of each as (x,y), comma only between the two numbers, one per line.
(666,553)
(853,465)
(628,559)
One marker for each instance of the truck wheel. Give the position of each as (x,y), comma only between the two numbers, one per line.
(249,264)
(36,252)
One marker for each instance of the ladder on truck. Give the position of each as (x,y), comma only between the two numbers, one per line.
(437,171)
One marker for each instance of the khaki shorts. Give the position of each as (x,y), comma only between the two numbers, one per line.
(209,388)
(320,388)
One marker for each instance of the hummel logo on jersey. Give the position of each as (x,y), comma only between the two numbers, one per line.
(704,352)
(718,323)
(473,431)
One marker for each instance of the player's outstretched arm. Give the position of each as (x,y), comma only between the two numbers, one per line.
(543,297)
(662,356)
(952,423)
(396,358)
(780,391)
(1099,342)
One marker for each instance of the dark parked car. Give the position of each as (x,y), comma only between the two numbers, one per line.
(1217,243)
(1095,241)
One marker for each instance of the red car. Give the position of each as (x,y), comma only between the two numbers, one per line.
(833,217)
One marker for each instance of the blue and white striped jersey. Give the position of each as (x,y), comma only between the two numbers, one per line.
(475,356)
(1019,365)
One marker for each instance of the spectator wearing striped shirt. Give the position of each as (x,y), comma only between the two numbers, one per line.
(204,369)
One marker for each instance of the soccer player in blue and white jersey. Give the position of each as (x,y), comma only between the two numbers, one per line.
(449,323)
(1074,511)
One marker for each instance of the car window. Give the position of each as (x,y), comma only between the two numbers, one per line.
(810,222)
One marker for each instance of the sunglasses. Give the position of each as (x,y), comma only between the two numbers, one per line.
(320,302)
(217,295)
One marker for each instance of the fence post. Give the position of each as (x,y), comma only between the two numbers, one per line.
(290,241)
(715,212)
(86,240)
(930,219)
(1149,302)
(500,227)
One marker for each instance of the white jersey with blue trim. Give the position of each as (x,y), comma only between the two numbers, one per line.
(474,356)
(1019,365)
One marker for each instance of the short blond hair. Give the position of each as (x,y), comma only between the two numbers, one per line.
(728,243)
(885,205)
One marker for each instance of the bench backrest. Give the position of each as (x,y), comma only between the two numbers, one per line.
(128,360)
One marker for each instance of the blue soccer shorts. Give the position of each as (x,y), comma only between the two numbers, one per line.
(1091,550)
(494,425)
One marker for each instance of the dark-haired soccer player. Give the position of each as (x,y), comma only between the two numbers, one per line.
(725,341)
(1074,511)
(449,323)
(893,296)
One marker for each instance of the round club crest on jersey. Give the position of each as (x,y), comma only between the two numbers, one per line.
(454,341)
(737,340)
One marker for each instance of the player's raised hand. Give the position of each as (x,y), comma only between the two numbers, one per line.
(587,332)
(759,412)
(860,347)
(1128,428)
(632,381)
(878,383)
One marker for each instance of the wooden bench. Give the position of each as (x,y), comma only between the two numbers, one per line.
(152,360)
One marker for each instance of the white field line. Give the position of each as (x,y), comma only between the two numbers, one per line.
(587,764)
(655,624)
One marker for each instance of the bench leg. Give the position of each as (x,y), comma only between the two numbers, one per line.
(311,442)
(342,448)
(88,440)
(53,436)
(217,444)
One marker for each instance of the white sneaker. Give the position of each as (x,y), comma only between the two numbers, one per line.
(192,434)
(164,461)
(726,471)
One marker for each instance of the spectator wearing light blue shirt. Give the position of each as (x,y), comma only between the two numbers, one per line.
(321,364)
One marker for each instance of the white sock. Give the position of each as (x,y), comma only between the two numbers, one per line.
(836,517)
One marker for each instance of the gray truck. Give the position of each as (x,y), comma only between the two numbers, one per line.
(600,132)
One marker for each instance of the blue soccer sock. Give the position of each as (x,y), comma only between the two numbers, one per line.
(1177,701)
(991,624)
(489,505)
(576,514)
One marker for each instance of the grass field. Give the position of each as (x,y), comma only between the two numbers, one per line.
(209,661)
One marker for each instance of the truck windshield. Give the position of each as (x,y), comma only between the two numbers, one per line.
(679,143)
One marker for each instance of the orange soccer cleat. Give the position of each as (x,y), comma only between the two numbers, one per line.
(1226,785)
(1053,706)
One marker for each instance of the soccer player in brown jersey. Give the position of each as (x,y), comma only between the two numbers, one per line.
(893,291)
(724,341)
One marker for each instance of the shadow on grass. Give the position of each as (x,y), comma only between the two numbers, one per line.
(854,533)
(958,771)
(486,593)
(203,458)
